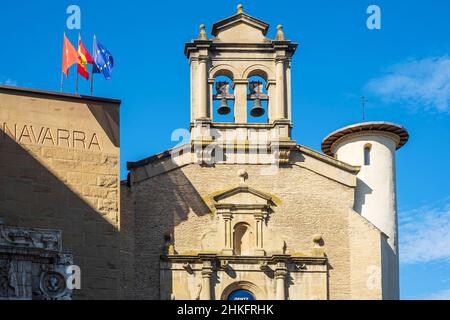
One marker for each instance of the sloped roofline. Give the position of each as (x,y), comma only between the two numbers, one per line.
(329,160)
(264,27)
(159,156)
(320,156)
(242,188)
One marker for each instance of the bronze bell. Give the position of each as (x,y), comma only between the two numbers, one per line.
(257,110)
(224,108)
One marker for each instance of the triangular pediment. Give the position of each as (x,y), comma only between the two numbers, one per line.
(243,195)
(240,28)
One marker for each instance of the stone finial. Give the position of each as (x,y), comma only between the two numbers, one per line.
(169,247)
(171,250)
(318,240)
(280,33)
(202,34)
(224,264)
(240,9)
(243,175)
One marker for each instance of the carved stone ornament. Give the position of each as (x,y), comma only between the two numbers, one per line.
(32,266)
(53,284)
(282,156)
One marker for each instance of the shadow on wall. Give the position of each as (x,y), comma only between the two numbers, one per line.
(32,196)
(151,210)
(361,192)
(108,118)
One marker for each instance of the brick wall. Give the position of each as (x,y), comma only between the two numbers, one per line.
(310,203)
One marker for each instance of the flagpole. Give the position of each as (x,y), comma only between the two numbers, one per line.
(62,74)
(92,70)
(79,38)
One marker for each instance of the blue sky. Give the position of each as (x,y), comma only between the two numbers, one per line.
(403,69)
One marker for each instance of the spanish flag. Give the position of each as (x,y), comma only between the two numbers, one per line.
(83,59)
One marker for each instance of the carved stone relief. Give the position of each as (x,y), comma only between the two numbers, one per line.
(32,266)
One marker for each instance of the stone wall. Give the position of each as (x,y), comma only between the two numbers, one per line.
(127,244)
(59,169)
(366,259)
(176,203)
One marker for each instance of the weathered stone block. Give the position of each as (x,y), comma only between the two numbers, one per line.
(74,178)
(107,205)
(65,165)
(99,192)
(109,181)
(89,179)
(88,156)
(99,168)
(58,153)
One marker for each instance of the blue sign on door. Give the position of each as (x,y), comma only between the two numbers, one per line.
(241,295)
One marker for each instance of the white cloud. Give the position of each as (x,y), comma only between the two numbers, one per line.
(7,81)
(425,233)
(440,295)
(419,84)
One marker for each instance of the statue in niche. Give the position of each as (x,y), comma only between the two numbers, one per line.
(4,282)
(199,291)
(169,246)
(9,286)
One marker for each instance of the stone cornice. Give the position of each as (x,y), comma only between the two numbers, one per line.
(274,259)
(56,95)
(233,207)
(195,45)
(304,157)
(225,125)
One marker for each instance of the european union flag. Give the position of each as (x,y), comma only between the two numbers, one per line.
(103,60)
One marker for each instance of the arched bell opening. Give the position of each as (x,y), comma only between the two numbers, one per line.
(257,100)
(223,99)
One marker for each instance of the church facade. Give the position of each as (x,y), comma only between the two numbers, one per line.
(242,211)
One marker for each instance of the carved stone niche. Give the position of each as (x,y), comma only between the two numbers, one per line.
(32,266)
(243,212)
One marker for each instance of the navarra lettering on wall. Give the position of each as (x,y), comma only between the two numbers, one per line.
(46,136)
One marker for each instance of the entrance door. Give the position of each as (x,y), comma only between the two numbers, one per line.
(241,295)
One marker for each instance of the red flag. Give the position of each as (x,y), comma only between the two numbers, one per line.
(69,57)
(83,59)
